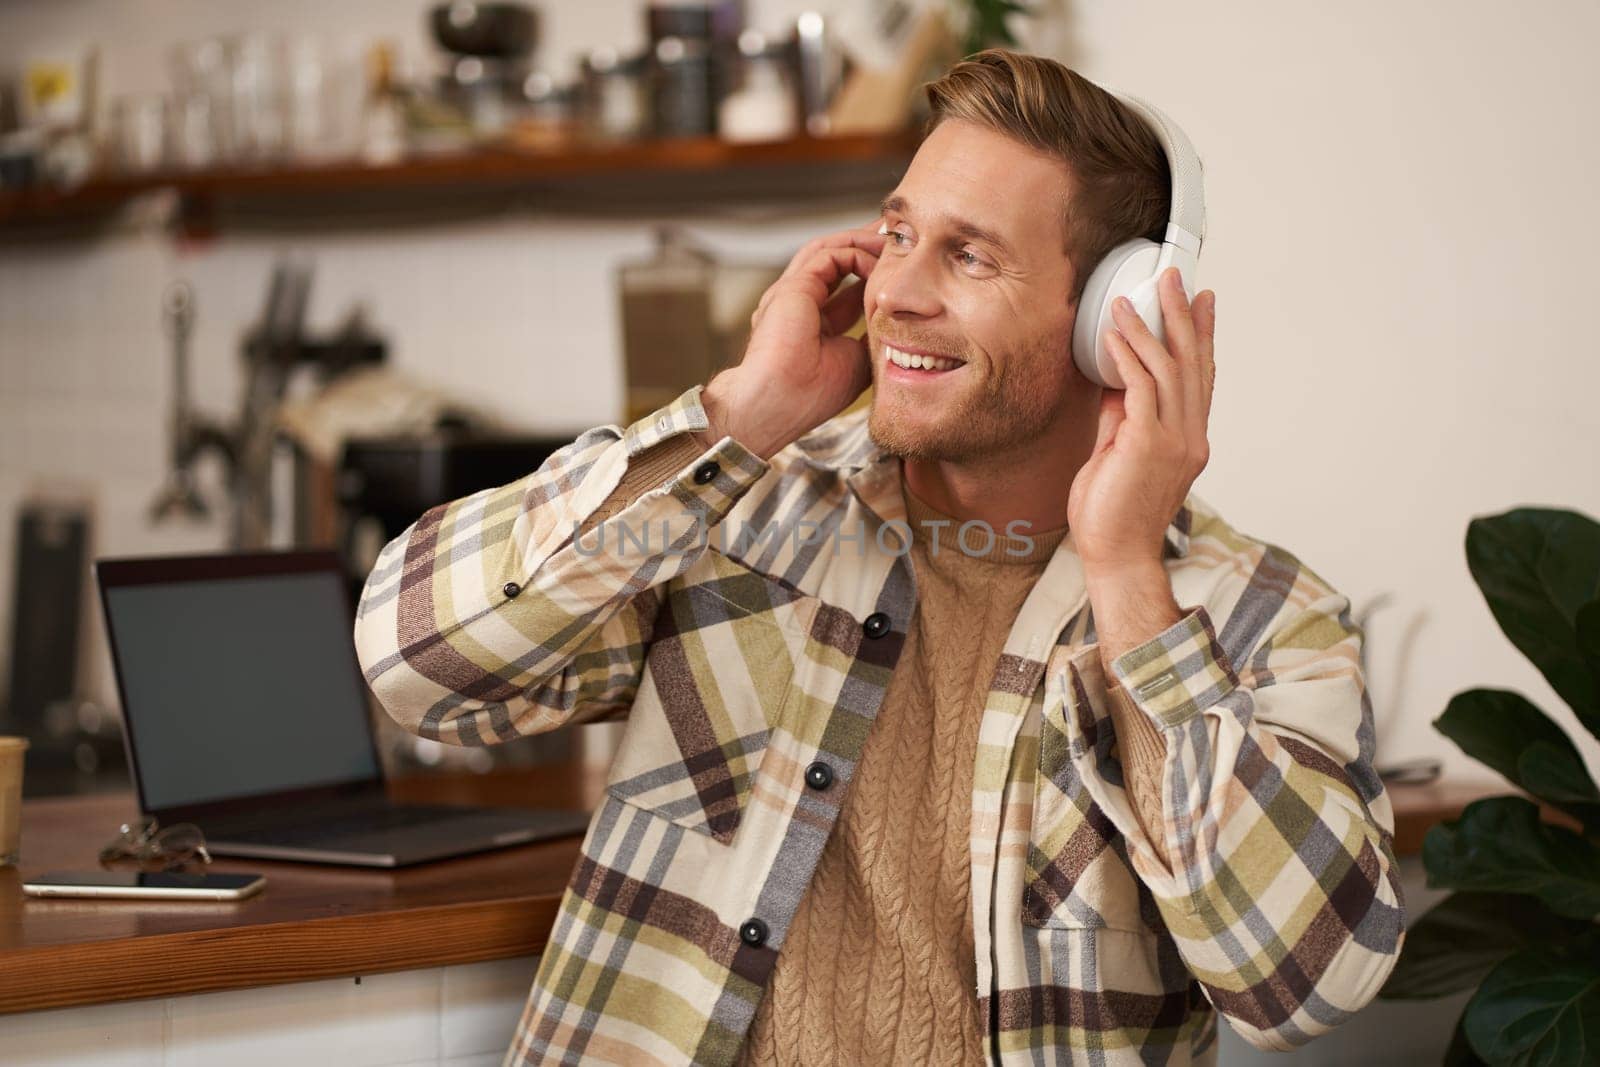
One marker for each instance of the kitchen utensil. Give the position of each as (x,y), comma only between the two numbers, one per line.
(187,436)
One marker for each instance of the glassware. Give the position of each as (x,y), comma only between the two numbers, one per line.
(552,114)
(669,341)
(194,133)
(616,101)
(308,101)
(140,133)
(256,66)
(202,85)
(765,107)
(383,137)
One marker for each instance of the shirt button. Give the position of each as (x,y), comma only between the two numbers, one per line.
(819,775)
(707,471)
(753,932)
(511,589)
(876,624)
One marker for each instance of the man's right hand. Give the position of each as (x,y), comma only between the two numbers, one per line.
(799,369)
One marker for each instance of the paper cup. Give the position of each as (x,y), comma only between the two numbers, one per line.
(11,750)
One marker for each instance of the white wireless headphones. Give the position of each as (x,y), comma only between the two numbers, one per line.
(1133,268)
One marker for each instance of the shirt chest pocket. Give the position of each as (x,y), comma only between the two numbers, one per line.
(1078,875)
(717,682)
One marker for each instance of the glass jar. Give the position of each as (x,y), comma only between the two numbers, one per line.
(616,104)
(766,106)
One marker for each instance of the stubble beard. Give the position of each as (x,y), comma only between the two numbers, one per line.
(1002,412)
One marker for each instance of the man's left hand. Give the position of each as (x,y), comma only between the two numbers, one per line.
(1151,444)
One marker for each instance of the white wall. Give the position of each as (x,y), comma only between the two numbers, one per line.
(1400,242)
(1395,221)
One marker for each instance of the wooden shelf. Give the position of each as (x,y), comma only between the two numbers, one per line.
(702,171)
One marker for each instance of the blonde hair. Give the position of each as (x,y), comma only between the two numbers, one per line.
(1120,181)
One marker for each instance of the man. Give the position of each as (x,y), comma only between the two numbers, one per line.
(959,729)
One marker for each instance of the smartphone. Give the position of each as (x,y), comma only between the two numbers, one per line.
(145,885)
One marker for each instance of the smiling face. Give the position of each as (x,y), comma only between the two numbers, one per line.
(974,269)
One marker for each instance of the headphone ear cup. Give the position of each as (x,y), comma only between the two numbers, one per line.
(1120,273)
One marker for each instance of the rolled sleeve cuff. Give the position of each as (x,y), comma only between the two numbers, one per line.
(718,477)
(1177,674)
(684,412)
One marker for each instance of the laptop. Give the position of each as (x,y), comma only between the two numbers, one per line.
(245,712)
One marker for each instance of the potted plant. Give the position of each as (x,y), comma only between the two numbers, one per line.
(1521,927)
(986,24)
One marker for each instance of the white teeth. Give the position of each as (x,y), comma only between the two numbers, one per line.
(917,362)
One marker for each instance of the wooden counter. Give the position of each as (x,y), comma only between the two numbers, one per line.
(311,921)
(320,921)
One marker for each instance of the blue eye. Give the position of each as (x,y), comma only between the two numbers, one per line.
(966,258)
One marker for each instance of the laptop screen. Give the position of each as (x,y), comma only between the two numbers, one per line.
(238,686)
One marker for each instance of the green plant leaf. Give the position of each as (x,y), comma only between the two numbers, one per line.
(1537,567)
(1559,771)
(1494,725)
(1540,1006)
(1587,624)
(1556,774)
(1504,731)
(1459,1053)
(987,24)
(1461,938)
(1498,845)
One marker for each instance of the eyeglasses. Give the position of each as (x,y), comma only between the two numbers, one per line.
(155,849)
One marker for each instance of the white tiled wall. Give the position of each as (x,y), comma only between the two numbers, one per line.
(516,316)
(458,1016)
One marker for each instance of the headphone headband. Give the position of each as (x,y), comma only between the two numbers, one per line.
(1186,225)
(1132,268)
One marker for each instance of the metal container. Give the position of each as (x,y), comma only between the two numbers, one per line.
(683,89)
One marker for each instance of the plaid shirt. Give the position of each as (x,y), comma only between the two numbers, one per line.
(746,627)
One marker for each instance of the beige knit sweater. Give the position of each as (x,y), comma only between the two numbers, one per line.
(878,965)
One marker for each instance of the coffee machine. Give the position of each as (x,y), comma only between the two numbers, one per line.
(386,483)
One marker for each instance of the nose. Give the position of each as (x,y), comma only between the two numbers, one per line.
(907,285)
